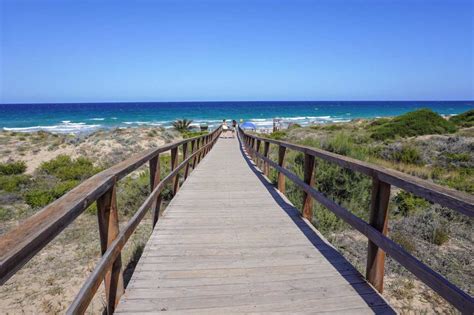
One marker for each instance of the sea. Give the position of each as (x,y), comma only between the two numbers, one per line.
(89,117)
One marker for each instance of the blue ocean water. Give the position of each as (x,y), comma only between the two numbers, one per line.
(86,117)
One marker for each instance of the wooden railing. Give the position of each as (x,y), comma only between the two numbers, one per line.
(376,229)
(20,244)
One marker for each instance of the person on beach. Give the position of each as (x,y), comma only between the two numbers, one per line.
(225,128)
(234,127)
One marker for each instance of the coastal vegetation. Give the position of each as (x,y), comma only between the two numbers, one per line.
(182,125)
(417,123)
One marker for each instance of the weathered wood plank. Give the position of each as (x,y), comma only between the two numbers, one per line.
(107,214)
(379,220)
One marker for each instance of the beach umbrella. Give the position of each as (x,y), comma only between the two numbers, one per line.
(248,125)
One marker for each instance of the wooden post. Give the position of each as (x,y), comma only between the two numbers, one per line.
(252,146)
(308,179)
(191,162)
(174,164)
(185,156)
(257,149)
(379,220)
(266,149)
(196,157)
(155,175)
(281,163)
(108,230)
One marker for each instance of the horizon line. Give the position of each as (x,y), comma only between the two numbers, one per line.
(233,101)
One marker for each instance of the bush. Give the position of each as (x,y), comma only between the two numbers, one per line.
(64,168)
(409,204)
(131,192)
(457,157)
(417,123)
(465,119)
(407,154)
(40,197)
(192,134)
(343,143)
(404,240)
(13,183)
(5,214)
(277,135)
(12,168)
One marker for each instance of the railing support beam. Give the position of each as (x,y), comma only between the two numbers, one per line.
(266,149)
(281,162)
(174,164)
(108,230)
(308,179)
(379,220)
(155,177)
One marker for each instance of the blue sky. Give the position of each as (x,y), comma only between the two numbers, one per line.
(86,51)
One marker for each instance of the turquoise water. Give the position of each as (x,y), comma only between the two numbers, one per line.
(92,116)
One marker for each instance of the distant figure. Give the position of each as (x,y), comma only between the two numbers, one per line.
(225,128)
(234,127)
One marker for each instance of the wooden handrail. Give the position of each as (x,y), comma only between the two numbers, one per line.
(376,229)
(20,244)
(447,197)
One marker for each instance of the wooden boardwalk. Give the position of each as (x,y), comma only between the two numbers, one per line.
(229,242)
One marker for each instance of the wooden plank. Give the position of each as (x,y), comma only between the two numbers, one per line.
(379,220)
(108,230)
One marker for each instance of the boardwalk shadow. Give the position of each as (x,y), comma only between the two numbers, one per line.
(344,267)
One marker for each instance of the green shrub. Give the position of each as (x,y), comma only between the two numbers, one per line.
(38,198)
(461,180)
(326,221)
(417,123)
(42,196)
(458,157)
(5,214)
(465,119)
(404,240)
(407,154)
(65,168)
(440,235)
(277,135)
(131,192)
(407,204)
(192,134)
(340,144)
(12,168)
(152,133)
(343,143)
(13,183)
(294,126)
